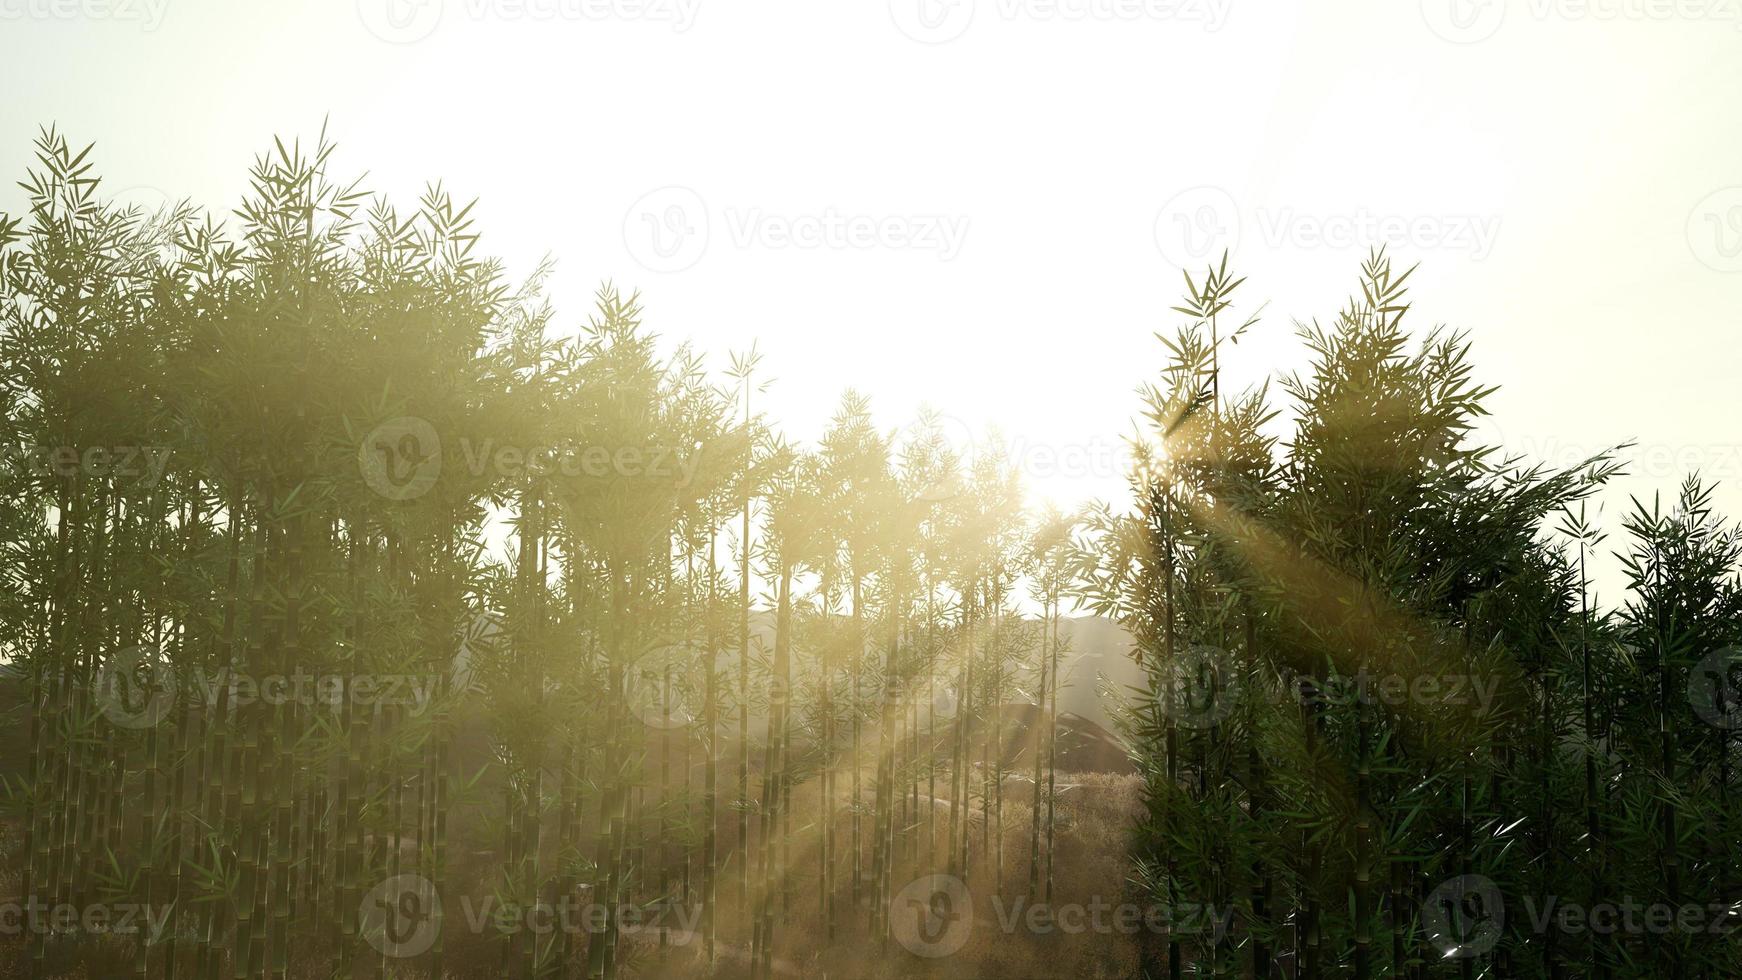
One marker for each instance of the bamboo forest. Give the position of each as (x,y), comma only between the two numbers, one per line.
(367,615)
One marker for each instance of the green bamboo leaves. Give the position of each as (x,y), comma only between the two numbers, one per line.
(362,620)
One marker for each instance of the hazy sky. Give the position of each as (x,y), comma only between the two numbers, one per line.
(982,204)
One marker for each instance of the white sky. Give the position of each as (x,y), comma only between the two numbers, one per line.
(1029,171)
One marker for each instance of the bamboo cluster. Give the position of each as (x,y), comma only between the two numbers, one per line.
(431,608)
(1387,729)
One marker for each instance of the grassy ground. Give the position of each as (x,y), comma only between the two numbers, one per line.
(1089,865)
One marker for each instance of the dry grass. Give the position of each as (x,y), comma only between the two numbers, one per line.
(1093,815)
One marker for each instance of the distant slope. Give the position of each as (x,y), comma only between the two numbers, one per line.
(1095,648)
